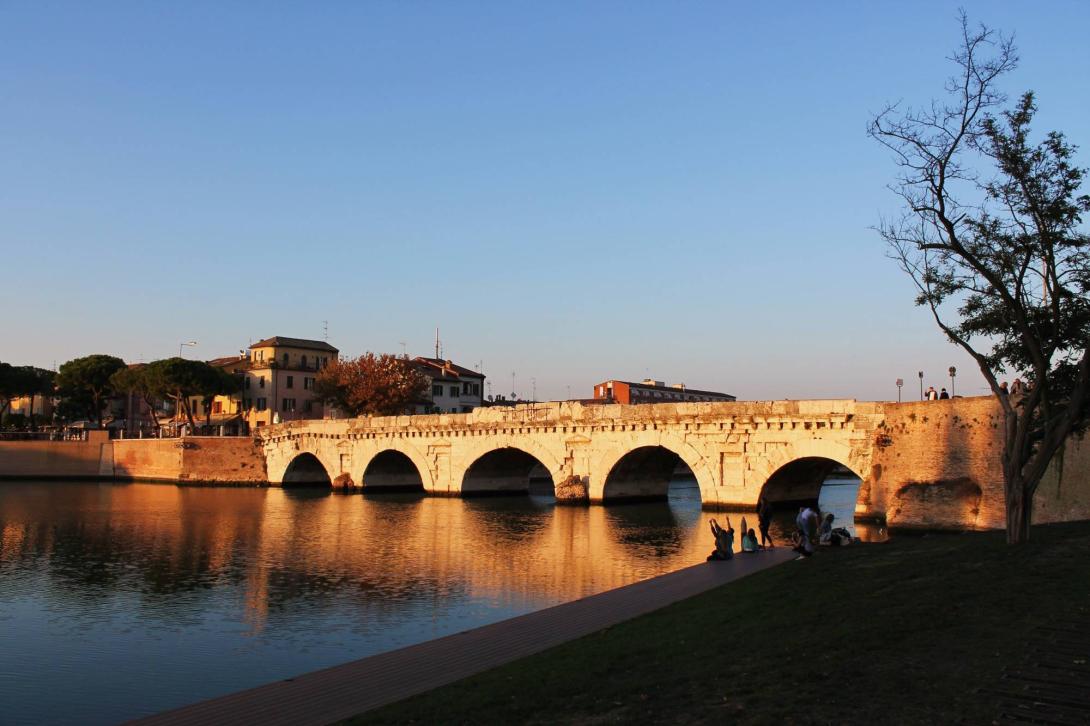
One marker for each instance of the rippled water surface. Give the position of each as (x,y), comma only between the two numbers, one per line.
(123,600)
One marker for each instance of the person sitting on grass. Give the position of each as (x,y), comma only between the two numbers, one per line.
(806,523)
(724,541)
(749,542)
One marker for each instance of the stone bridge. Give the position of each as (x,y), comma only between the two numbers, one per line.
(922,464)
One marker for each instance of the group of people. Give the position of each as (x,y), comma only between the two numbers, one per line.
(933,395)
(1016,389)
(809,524)
(724,538)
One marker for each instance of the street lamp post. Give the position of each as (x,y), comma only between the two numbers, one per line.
(189,343)
(953,372)
(920,374)
(900,382)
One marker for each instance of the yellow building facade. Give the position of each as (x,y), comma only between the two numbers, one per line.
(277,384)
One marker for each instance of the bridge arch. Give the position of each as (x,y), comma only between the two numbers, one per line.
(643,469)
(506,469)
(394,470)
(306,469)
(795,473)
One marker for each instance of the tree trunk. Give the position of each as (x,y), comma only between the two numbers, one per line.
(188,413)
(153,419)
(32,426)
(1019,511)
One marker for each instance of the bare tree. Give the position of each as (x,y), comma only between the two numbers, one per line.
(991,236)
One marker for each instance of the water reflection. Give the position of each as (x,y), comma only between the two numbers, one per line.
(124,600)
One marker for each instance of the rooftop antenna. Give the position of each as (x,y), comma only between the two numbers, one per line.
(513,394)
(437,342)
(325,330)
(404,350)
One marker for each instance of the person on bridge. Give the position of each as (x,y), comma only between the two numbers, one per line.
(724,541)
(932,394)
(943,395)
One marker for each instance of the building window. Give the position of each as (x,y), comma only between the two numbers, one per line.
(262,404)
(291,382)
(467,409)
(454,392)
(246,404)
(476,389)
(287,404)
(261,381)
(285,359)
(437,390)
(217,407)
(302,361)
(308,405)
(308,383)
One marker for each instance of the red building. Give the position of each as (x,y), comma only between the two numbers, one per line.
(651,391)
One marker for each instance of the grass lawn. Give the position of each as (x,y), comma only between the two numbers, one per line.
(901,632)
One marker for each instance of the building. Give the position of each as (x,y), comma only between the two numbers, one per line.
(277,384)
(652,391)
(453,389)
(279,379)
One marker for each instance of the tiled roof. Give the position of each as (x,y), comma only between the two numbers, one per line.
(447,367)
(226,361)
(282,342)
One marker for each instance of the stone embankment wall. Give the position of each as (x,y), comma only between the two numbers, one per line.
(68,459)
(193,459)
(1064,493)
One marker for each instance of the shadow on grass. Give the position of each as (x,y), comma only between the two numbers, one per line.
(899,632)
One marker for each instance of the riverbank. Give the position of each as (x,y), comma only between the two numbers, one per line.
(905,632)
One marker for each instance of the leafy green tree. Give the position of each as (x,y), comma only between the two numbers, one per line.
(145,381)
(371,385)
(85,383)
(182,379)
(8,383)
(214,382)
(991,236)
(33,382)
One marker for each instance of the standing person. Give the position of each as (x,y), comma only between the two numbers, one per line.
(1017,387)
(724,541)
(932,394)
(1003,388)
(764,520)
(943,395)
(745,527)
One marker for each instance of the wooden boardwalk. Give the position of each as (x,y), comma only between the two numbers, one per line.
(336,693)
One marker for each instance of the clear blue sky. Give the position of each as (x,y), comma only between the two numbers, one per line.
(574,191)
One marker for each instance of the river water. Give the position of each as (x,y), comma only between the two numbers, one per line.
(123,600)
